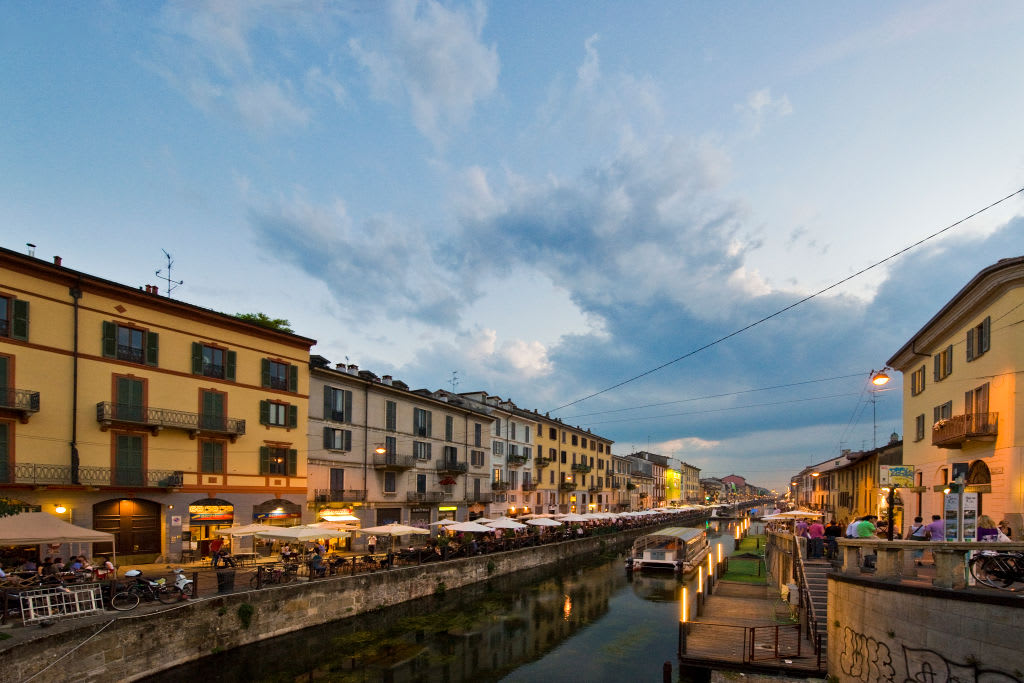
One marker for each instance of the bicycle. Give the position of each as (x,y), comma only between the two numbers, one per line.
(275,574)
(998,569)
(143,589)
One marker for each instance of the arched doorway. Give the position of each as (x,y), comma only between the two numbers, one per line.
(979,476)
(205,516)
(134,522)
(277,512)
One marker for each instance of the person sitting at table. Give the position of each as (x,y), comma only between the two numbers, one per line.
(29,566)
(46,568)
(316,565)
(75,564)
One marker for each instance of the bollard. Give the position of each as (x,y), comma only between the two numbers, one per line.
(195,584)
(259,578)
(682,639)
(666,672)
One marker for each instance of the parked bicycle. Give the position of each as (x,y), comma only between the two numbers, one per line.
(143,589)
(275,574)
(998,569)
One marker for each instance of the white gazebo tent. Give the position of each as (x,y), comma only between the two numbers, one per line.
(32,528)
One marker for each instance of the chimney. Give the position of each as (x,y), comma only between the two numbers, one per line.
(56,260)
(149,289)
(386,379)
(156,290)
(341,366)
(353,369)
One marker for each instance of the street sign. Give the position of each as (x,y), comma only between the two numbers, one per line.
(896,476)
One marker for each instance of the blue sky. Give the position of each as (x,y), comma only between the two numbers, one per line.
(549,198)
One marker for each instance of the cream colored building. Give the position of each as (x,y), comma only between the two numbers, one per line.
(961,402)
(692,491)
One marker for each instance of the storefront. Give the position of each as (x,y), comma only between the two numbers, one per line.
(135,523)
(204,517)
(389,516)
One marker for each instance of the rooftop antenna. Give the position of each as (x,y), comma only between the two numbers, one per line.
(171,284)
(454,380)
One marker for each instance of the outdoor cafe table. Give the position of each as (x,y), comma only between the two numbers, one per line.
(245,559)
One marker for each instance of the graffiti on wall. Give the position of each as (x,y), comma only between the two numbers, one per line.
(862,658)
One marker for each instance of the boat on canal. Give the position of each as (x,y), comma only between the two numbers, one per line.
(675,549)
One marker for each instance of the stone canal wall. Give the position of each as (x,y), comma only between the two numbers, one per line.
(132,646)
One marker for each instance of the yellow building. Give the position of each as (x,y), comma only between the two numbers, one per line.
(673,486)
(961,403)
(144,416)
(574,469)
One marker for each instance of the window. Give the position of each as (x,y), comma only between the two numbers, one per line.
(337,439)
(497,475)
(976,403)
(551,476)
(128,460)
(421,422)
(421,450)
(477,434)
(449,428)
(278,461)
(553,454)
(211,361)
(917,381)
(497,427)
(513,450)
(575,440)
(513,479)
(5,453)
(552,434)
(943,412)
(476,458)
(600,464)
(563,457)
(583,442)
(338,479)
(451,454)
(512,430)
(337,404)
(563,437)
(498,447)
(421,483)
(130,344)
(390,416)
(978,339)
(13,318)
(390,482)
(943,363)
(129,404)
(391,445)
(211,411)
(211,459)
(278,375)
(527,452)
(919,427)
(279,414)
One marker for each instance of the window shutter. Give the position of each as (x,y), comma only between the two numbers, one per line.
(152,348)
(936,414)
(328,403)
(264,460)
(264,412)
(197,358)
(19,323)
(293,416)
(264,372)
(109,339)
(949,360)
(293,378)
(348,405)
(986,334)
(229,369)
(328,441)
(970,344)
(347,445)
(969,402)
(293,462)
(938,366)
(430,417)
(427,446)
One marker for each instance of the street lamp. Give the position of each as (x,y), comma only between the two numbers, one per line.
(878,379)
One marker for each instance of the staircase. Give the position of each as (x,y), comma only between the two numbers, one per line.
(815,577)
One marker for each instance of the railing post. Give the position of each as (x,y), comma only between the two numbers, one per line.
(195,584)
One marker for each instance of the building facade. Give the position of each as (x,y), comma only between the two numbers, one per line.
(692,492)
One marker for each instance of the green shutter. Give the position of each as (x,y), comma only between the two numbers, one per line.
(949,360)
(5,459)
(970,344)
(197,358)
(229,369)
(264,372)
(19,324)
(3,375)
(348,406)
(328,404)
(347,441)
(152,348)
(264,460)
(937,362)
(430,417)
(328,441)
(293,378)
(293,462)
(986,334)
(264,412)
(293,416)
(109,339)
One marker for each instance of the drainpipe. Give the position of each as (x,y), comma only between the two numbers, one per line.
(366,441)
(76,293)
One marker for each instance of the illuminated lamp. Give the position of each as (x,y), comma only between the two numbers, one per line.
(60,509)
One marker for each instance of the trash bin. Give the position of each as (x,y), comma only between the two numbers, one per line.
(225,580)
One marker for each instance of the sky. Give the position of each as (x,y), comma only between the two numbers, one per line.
(541,200)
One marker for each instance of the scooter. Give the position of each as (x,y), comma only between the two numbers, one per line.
(184,583)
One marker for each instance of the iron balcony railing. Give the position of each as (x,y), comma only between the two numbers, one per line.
(529,486)
(567,486)
(279,383)
(580,467)
(213,370)
(428,496)
(452,466)
(541,461)
(108,413)
(393,461)
(594,489)
(500,486)
(481,497)
(22,400)
(132,354)
(43,474)
(338,495)
(954,431)
(517,460)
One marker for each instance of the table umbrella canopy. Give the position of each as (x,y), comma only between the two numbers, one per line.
(443,522)
(30,528)
(471,527)
(344,526)
(247,530)
(573,517)
(393,529)
(797,514)
(301,533)
(505,523)
(543,521)
(482,520)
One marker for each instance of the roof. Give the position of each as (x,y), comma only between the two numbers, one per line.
(30,528)
(681,532)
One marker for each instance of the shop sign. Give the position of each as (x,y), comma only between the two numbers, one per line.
(211,514)
(175,520)
(447,508)
(896,476)
(951,508)
(277,513)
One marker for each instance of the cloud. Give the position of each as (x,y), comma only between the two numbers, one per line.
(761,107)
(432,57)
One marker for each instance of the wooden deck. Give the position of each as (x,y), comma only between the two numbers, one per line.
(746,627)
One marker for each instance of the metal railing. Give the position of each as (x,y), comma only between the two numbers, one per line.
(541,461)
(43,474)
(24,400)
(567,486)
(480,497)
(428,496)
(500,486)
(132,354)
(108,413)
(953,431)
(452,466)
(580,467)
(529,486)
(516,460)
(338,495)
(393,461)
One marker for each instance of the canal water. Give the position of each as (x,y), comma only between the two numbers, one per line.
(583,621)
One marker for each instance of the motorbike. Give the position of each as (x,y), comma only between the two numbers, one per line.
(183,583)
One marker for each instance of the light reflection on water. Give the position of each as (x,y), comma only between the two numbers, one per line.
(587,621)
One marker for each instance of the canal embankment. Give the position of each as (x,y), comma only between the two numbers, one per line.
(131,646)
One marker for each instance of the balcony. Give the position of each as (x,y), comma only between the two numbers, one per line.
(580,467)
(529,486)
(567,486)
(392,461)
(339,495)
(500,486)
(480,497)
(955,431)
(541,461)
(516,460)
(428,496)
(452,467)
(616,485)
(47,475)
(109,414)
(594,489)
(21,401)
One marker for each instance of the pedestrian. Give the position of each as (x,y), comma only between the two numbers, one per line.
(987,529)
(851,528)
(815,544)
(1005,529)
(832,533)
(865,527)
(371,544)
(918,532)
(215,546)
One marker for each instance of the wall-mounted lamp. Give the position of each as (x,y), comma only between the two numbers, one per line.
(815,474)
(879,378)
(60,509)
(380,450)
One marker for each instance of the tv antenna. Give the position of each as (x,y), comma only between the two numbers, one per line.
(454,380)
(171,284)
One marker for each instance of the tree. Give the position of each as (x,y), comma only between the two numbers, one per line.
(264,320)
(7,508)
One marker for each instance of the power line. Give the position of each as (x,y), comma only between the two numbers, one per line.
(792,305)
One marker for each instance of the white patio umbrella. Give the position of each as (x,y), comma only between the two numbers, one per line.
(344,526)
(797,514)
(443,522)
(536,515)
(506,523)
(470,527)
(483,520)
(393,529)
(247,530)
(572,517)
(543,521)
(301,533)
